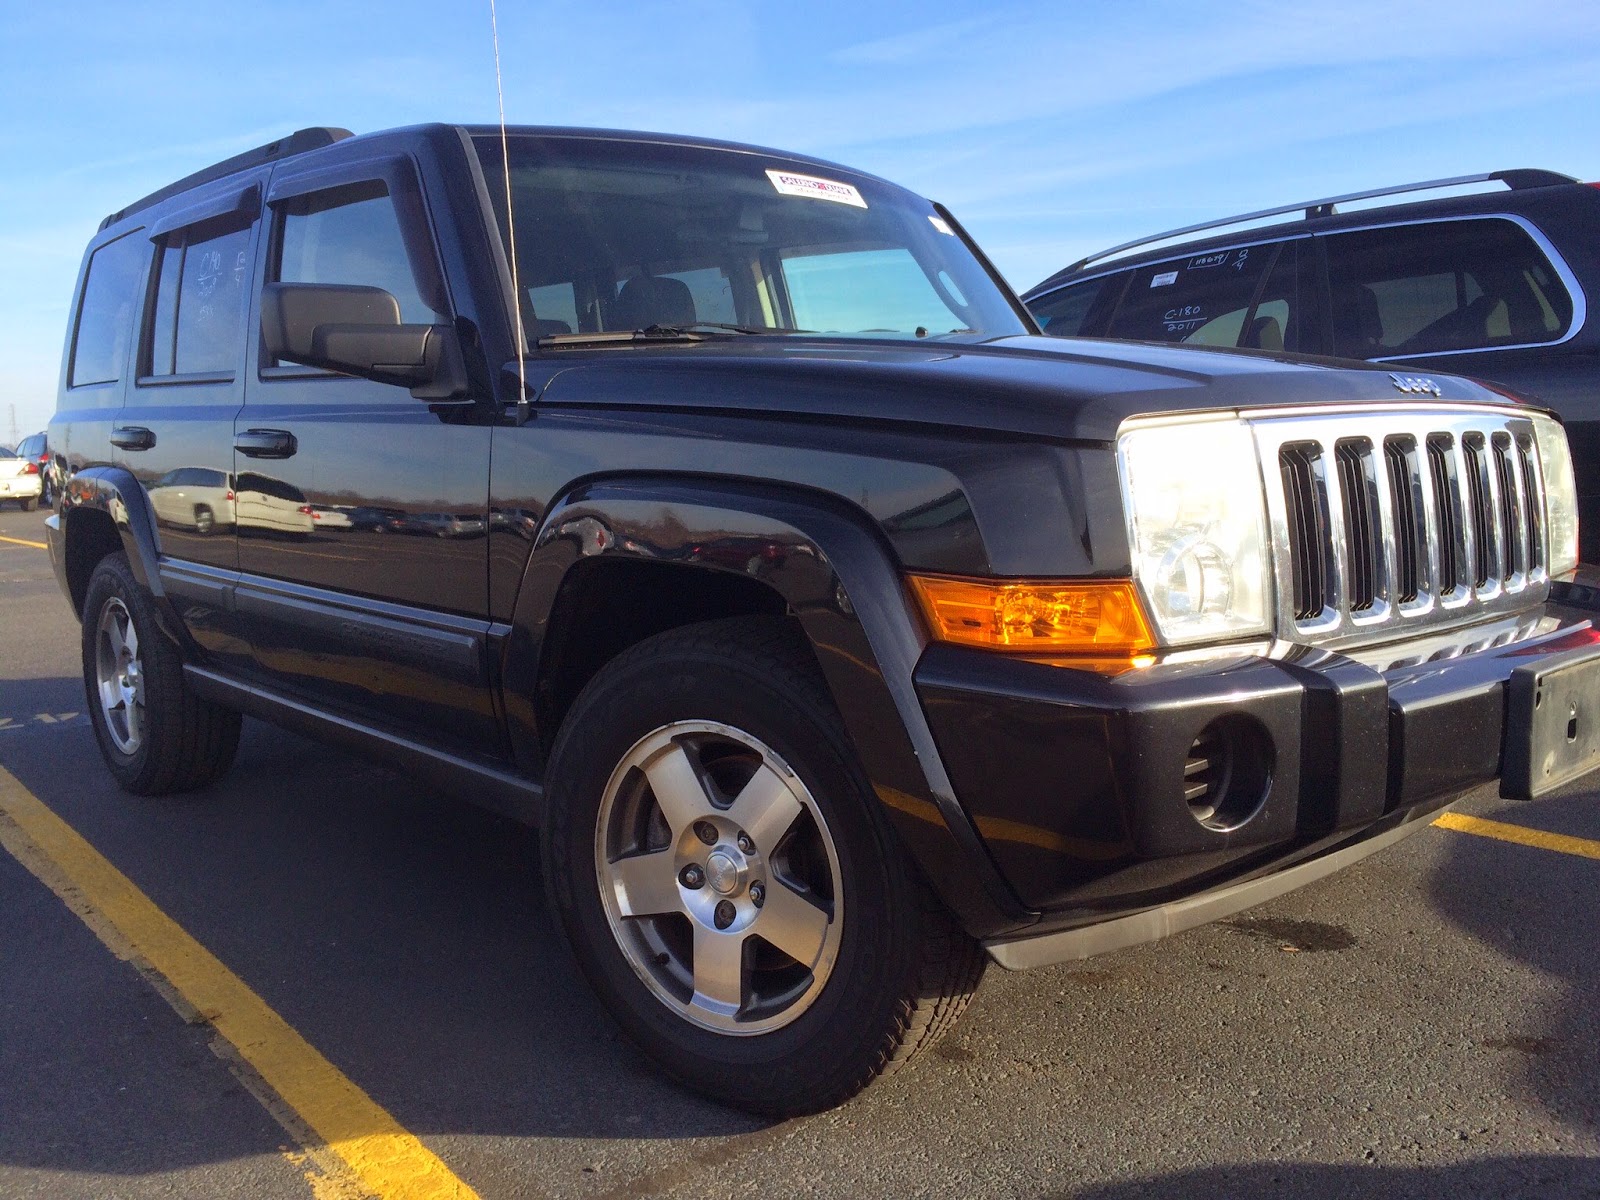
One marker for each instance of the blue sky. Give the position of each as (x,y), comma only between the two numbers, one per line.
(1051,130)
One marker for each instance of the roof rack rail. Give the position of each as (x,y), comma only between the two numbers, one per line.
(297,142)
(1527,177)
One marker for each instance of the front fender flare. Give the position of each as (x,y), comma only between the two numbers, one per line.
(839,579)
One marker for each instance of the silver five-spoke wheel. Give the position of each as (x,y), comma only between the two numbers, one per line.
(119,676)
(719,877)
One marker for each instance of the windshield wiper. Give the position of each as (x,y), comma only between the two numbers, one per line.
(700,331)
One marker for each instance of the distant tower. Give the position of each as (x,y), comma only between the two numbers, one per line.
(13,410)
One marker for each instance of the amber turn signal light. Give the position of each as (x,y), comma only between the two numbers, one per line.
(1100,620)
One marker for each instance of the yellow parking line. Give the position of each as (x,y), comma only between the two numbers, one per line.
(21,542)
(386,1160)
(1520,834)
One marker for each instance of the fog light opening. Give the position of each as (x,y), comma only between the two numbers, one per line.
(1227,773)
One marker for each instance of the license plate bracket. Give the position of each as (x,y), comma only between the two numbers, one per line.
(1552,729)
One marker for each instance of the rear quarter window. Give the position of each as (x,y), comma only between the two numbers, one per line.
(111,292)
(1443,286)
(1079,309)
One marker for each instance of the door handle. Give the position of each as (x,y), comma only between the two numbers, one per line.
(132,437)
(265,443)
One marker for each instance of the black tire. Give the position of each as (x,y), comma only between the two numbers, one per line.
(182,742)
(26,503)
(903,971)
(204,520)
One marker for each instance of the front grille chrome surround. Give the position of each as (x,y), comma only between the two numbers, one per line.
(1392,521)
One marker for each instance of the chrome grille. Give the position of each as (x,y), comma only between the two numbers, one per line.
(1387,521)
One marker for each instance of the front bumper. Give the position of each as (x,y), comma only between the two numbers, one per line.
(1077,783)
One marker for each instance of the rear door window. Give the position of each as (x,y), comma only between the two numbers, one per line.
(201,289)
(1442,286)
(1203,299)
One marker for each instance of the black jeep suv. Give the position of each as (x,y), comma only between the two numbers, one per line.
(840,632)
(1492,284)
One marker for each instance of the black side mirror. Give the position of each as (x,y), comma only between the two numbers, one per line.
(357,331)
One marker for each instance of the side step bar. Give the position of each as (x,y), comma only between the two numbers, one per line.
(490,786)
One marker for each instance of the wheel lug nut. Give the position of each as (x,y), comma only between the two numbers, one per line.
(758,894)
(725,913)
(706,832)
(746,844)
(692,876)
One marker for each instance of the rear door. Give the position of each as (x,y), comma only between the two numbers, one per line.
(175,431)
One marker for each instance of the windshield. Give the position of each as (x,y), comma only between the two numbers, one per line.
(619,236)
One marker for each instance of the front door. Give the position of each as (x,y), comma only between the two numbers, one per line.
(361,510)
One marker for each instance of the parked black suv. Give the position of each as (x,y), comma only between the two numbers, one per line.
(838,629)
(1492,284)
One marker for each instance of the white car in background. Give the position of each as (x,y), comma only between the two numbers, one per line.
(19,479)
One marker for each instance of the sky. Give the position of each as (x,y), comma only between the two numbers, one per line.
(1051,130)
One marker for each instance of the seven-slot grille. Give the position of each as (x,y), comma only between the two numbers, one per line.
(1394,520)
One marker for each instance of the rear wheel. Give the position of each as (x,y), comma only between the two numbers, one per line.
(156,736)
(204,520)
(26,503)
(725,877)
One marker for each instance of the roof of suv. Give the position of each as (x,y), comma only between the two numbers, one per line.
(1319,216)
(315,138)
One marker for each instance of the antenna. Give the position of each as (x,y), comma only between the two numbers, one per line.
(511,224)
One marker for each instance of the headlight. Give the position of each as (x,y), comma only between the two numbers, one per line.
(1560,494)
(1197,528)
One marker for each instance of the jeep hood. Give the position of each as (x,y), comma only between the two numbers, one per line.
(1075,390)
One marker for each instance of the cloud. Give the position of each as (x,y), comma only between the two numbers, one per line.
(916,46)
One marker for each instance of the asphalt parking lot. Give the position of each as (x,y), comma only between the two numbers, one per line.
(1424,1024)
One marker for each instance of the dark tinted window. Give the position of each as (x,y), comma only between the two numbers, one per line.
(1444,285)
(31,447)
(105,318)
(1203,299)
(1080,309)
(201,287)
(350,235)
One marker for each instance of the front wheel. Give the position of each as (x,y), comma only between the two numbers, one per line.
(725,877)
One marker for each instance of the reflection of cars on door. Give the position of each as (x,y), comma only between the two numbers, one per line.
(373,518)
(1492,284)
(195,498)
(267,505)
(19,479)
(448,525)
(326,517)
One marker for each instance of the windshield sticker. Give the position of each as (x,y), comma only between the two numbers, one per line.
(790,184)
(941,225)
(1164,279)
